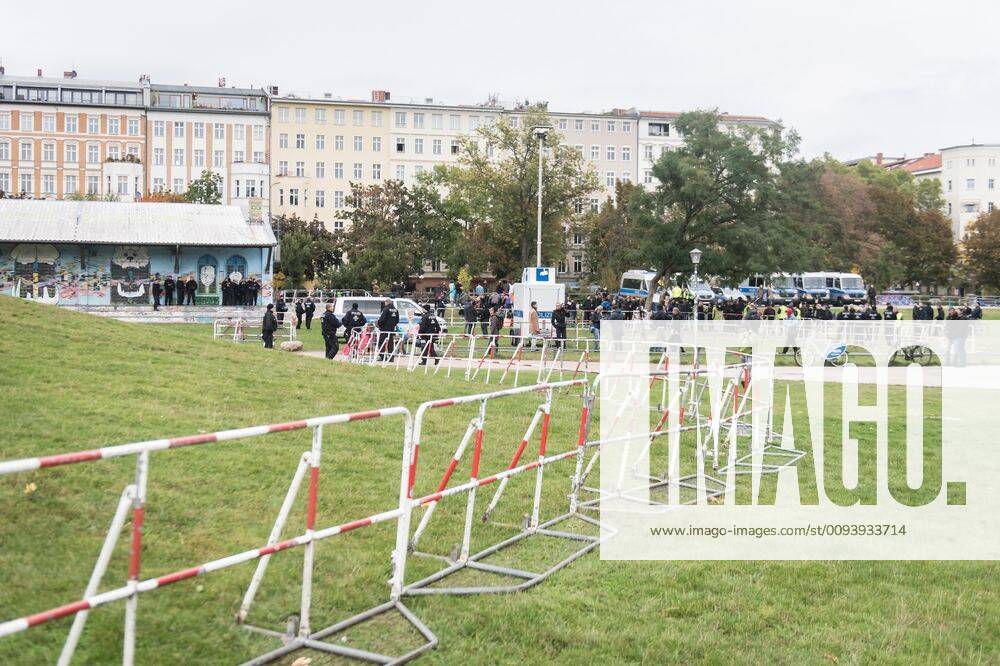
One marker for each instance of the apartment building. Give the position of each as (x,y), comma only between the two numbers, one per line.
(66,136)
(224,130)
(319,147)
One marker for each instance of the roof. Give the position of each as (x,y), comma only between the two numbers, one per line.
(929,162)
(669,115)
(206,90)
(110,222)
(54,81)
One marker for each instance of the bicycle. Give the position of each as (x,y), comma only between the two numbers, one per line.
(836,356)
(913,354)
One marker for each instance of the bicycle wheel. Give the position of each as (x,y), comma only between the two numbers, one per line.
(798,357)
(923,355)
(837,360)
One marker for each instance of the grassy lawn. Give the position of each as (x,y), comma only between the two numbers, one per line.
(75,382)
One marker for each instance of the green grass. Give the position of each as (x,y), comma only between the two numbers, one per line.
(73,382)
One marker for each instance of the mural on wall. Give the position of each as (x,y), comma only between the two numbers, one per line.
(208,269)
(129,275)
(34,274)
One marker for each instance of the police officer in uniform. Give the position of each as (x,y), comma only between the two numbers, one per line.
(168,290)
(559,324)
(429,327)
(310,308)
(269,327)
(329,327)
(387,322)
(157,290)
(354,319)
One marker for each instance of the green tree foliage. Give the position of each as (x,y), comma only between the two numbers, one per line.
(307,248)
(390,231)
(718,192)
(206,189)
(981,250)
(611,237)
(494,190)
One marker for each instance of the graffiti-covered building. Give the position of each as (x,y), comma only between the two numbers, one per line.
(109,253)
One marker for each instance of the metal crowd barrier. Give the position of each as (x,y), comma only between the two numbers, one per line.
(243,330)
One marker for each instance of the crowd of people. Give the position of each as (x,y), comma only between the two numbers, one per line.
(183,290)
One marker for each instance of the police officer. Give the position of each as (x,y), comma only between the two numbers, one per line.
(559,324)
(310,307)
(269,326)
(387,322)
(168,290)
(300,312)
(329,327)
(429,327)
(354,319)
(157,290)
(281,308)
(191,287)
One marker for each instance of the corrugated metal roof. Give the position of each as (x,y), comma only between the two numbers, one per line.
(109,222)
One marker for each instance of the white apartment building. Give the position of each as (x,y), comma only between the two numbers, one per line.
(970,177)
(192,129)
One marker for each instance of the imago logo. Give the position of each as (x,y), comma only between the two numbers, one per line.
(799,439)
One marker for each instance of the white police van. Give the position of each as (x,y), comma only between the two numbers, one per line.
(409,310)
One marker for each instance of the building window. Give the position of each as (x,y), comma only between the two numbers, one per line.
(970,162)
(159,157)
(218,158)
(561,268)
(400,119)
(5,151)
(990,184)
(626,154)
(578,206)
(320,141)
(300,169)
(949,208)
(5,121)
(258,156)
(300,141)
(376,119)
(595,205)
(455,122)
(93,125)
(282,140)
(199,130)
(112,151)
(27,183)
(28,121)
(258,132)
(321,169)
(436,146)
(626,127)
(659,129)
(239,132)
(338,199)
(418,120)
(989,207)
(48,184)
(133,127)
(577,236)
(970,183)
(338,142)
(338,169)
(358,171)
(93,153)
(114,126)
(473,123)
(320,198)
(577,263)
(219,131)
(178,157)
(48,152)
(69,187)
(158,185)
(595,152)
(609,178)
(358,144)
(300,115)
(578,124)
(376,144)
(199,157)
(647,176)
(562,123)
(418,146)
(595,125)
(123,185)
(611,153)
(293,196)
(178,130)
(454,147)
(400,172)
(282,114)
(627,176)
(949,186)
(4,182)
(437,121)
(69,121)
(647,152)
(611,126)
(93,185)
(376,172)
(400,145)
(27,150)
(48,123)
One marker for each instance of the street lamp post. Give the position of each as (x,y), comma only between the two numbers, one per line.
(695,260)
(540,132)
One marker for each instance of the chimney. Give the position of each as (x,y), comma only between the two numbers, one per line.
(2,70)
(380,95)
(273,90)
(39,73)
(878,159)
(327,95)
(222,82)
(71,74)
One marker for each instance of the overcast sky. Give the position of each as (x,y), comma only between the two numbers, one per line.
(853,78)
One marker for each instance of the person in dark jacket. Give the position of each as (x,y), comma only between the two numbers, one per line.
(269,326)
(329,327)
(469,314)
(595,321)
(386,324)
(191,288)
(310,308)
(429,327)
(157,289)
(354,319)
(168,290)
(559,324)
(496,323)
(300,312)
(281,308)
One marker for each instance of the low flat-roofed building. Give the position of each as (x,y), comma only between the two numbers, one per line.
(100,253)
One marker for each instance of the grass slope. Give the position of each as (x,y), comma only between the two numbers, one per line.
(72,382)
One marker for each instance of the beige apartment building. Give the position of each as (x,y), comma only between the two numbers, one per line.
(64,136)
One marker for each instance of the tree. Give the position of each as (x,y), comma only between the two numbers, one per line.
(206,189)
(494,187)
(981,250)
(163,197)
(307,248)
(610,235)
(391,231)
(717,192)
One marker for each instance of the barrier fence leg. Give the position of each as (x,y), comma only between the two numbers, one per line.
(536,507)
(513,463)
(135,556)
(581,447)
(117,523)
(309,551)
(279,523)
(425,519)
(473,477)
(406,481)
